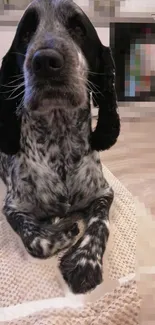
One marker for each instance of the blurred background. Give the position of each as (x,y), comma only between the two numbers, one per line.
(127,26)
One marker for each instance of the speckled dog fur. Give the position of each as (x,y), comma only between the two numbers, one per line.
(49,160)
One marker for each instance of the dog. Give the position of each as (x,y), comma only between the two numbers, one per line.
(49,156)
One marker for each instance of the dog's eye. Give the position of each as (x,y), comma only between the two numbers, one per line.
(79,30)
(76,26)
(26,37)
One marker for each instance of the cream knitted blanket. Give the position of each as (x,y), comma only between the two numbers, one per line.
(30,291)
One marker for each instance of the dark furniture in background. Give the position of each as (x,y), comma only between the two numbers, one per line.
(132,42)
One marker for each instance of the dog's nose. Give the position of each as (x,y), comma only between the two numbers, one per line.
(47,62)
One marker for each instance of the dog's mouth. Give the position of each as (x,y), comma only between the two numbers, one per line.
(59,91)
(56,92)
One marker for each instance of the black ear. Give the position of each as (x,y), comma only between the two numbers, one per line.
(104,96)
(9,101)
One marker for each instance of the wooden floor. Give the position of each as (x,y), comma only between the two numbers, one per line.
(132,159)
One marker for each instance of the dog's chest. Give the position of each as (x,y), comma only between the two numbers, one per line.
(58,171)
(53,183)
(53,170)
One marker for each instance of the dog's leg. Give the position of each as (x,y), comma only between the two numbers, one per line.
(81,266)
(4,167)
(40,238)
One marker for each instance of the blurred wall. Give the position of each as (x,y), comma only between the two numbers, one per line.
(6,37)
(137,6)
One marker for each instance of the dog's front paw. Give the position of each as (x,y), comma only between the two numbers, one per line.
(82,274)
(43,242)
(40,248)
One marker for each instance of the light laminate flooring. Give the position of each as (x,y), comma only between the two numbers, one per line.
(132,158)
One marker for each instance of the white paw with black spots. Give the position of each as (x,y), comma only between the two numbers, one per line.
(40,248)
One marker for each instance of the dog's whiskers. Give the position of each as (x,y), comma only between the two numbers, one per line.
(10,98)
(92,87)
(15,89)
(19,107)
(18,53)
(12,87)
(96,73)
(17,79)
(16,75)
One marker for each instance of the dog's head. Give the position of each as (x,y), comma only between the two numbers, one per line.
(56,57)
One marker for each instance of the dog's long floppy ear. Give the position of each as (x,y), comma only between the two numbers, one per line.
(9,100)
(108,125)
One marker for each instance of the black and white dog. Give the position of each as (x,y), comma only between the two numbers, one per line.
(49,157)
